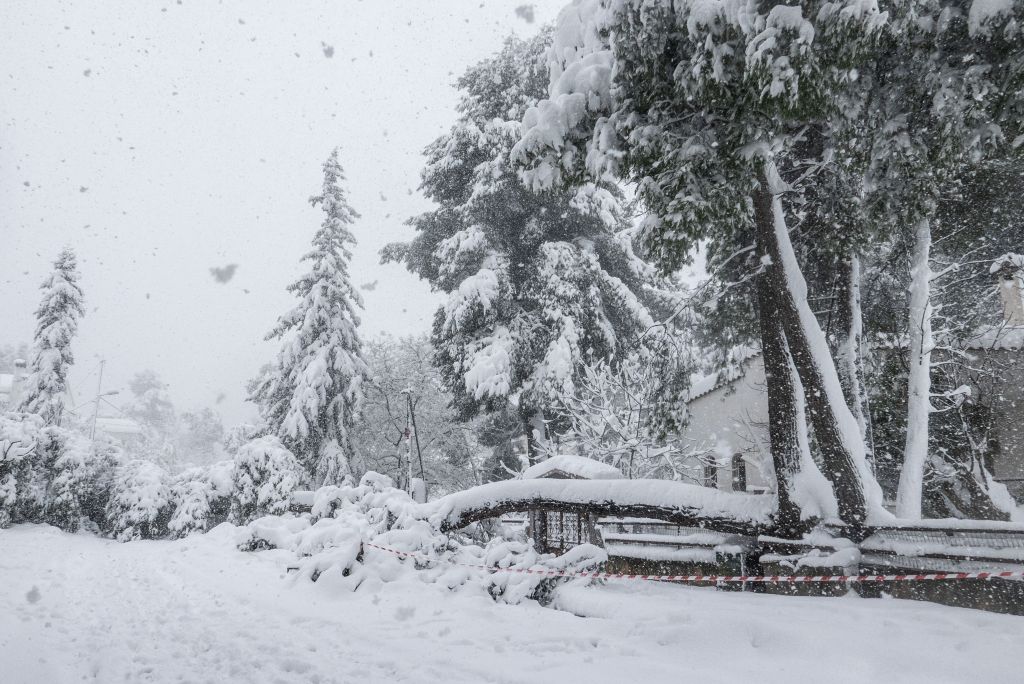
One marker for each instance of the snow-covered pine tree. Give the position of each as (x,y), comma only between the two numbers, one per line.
(263,479)
(56,324)
(538,284)
(311,397)
(708,109)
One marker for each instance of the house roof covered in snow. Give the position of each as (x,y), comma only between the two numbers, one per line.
(706,384)
(572,466)
(117,426)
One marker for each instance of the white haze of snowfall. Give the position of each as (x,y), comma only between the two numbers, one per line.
(165,140)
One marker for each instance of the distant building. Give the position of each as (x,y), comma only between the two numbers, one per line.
(729,409)
(12,385)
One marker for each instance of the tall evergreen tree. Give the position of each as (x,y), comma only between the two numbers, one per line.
(56,324)
(311,397)
(538,283)
(713,110)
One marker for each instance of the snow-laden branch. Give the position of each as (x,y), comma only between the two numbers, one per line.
(683,504)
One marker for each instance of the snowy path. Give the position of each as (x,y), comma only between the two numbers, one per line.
(75,608)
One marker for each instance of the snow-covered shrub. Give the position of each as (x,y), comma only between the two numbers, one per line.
(79,475)
(265,475)
(19,437)
(202,498)
(139,506)
(338,547)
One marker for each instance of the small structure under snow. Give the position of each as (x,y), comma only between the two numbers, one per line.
(559,531)
(569,467)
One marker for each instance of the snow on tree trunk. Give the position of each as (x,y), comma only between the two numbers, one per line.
(850,332)
(782,417)
(536,437)
(838,436)
(915,452)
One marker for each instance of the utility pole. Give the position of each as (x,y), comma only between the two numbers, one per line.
(99,393)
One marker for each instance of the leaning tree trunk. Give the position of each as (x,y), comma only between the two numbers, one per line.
(838,436)
(783,423)
(915,451)
(849,338)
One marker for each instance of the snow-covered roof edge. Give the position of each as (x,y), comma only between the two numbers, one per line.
(578,466)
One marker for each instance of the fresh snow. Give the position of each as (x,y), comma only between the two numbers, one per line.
(752,508)
(580,466)
(80,608)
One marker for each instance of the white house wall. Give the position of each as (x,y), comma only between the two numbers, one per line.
(733,420)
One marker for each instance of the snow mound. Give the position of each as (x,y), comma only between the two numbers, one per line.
(360,538)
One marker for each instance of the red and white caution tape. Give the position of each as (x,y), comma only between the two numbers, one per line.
(766,579)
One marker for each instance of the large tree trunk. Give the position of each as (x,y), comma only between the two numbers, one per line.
(783,423)
(838,437)
(849,338)
(915,451)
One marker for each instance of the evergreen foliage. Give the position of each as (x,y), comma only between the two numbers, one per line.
(140,499)
(56,325)
(537,284)
(265,475)
(311,396)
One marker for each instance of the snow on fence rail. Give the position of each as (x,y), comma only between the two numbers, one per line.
(760,579)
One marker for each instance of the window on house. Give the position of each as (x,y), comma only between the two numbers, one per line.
(739,474)
(710,475)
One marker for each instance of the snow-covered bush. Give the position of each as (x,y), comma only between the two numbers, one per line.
(265,475)
(338,547)
(202,498)
(139,505)
(79,474)
(19,437)
(238,435)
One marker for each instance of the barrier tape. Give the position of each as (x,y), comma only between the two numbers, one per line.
(766,579)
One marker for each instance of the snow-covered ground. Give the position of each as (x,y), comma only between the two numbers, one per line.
(77,608)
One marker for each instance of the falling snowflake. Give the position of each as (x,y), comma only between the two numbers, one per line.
(328,50)
(525,12)
(225,273)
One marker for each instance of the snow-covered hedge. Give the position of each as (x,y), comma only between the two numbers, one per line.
(140,500)
(79,475)
(19,437)
(332,546)
(201,498)
(265,475)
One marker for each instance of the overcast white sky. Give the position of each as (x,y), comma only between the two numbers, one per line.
(160,139)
